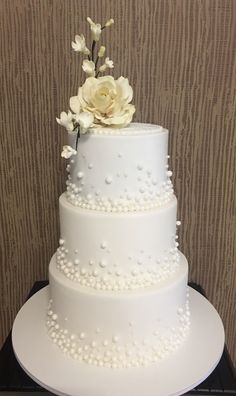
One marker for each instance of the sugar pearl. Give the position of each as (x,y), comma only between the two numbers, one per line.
(103,245)
(108,180)
(83,271)
(80,175)
(103,263)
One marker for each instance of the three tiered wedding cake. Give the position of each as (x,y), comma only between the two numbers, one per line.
(118,282)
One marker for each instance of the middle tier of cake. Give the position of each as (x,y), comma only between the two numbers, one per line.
(117,251)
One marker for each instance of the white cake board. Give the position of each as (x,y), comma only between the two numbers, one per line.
(48,366)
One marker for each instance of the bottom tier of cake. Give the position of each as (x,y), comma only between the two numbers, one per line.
(114,329)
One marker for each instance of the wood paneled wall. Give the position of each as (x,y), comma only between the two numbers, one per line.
(180,57)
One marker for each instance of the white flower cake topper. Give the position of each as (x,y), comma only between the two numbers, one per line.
(101,101)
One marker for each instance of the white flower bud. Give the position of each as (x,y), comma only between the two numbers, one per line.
(109,22)
(90,21)
(101,51)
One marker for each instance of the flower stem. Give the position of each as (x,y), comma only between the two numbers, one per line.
(97,74)
(77,138)
(96,63)
(93,46)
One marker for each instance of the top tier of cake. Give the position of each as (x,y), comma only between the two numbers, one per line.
(120,170)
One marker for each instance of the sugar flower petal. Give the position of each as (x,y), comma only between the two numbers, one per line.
(75,104)
(125,90)
(85,120)
(89,67)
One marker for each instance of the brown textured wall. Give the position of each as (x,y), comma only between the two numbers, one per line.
(180,58)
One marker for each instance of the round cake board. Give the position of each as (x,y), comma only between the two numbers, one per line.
(186,368)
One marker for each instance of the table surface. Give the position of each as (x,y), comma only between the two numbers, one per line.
(222,381)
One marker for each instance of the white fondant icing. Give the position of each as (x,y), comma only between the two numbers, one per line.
(80,175)
(100,149)
(160,321)
(118,281)
(125,234)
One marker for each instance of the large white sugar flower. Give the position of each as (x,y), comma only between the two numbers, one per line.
(67,152)
(89,67)
(85,120)
(108,100)
(66,120)
(96,29)
(79,44)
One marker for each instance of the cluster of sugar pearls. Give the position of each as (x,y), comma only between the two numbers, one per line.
(119,205)
(149,196)
(184,315)
(102,278)
(111,352)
